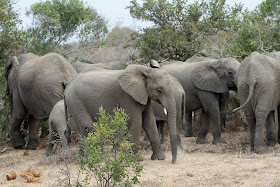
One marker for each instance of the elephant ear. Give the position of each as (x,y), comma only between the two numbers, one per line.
(132,81)
(206,78)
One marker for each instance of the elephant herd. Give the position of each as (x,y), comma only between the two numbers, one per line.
(49,87)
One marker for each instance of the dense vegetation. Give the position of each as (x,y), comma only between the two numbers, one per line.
(179,30)
(182,29)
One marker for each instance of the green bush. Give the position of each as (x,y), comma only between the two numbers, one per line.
(100,158)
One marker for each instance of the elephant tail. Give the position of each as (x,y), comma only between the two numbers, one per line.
(65,106)
(250,96)
(183,108)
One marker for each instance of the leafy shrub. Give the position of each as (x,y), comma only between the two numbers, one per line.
(100,158)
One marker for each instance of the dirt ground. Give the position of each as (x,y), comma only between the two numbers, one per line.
(229,164)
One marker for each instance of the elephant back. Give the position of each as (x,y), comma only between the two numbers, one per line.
(41,83)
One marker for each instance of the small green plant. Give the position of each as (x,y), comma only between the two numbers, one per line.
(100,158)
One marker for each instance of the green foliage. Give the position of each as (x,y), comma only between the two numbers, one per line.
(100,158)
(56,21)
(180,29)
(9,34)
(260,28)
(213,28)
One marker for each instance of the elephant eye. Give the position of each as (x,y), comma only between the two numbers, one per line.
(159,90)
(230,73)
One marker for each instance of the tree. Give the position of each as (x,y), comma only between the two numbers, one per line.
(58,21)
(9,34)
(180,29)
(260,28)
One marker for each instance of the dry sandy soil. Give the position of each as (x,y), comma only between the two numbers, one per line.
(229,164)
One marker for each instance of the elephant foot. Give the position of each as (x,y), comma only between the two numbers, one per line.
(271,143)
(260,149)
(23,133)
(201,140)
(32,144)
(189,134)
(157,156)
(49,153)
(18,143)
(219,140)
(44,134)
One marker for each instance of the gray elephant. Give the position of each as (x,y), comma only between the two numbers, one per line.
(36,86)
(131,89)
(161,116)
(203,83)
(226,100)
(60,129)
(258,81)
(82,64)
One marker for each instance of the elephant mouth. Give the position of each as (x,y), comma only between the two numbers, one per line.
(232,87)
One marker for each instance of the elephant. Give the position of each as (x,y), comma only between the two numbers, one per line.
(36,86)
(83,64)
(226,100)
(158,110)
(131,89)
(258,82)
(59,127)
(204,82)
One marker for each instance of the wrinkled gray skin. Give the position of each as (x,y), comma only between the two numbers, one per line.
(193,119)
(36,86)
(59,128)
(203,82)
(82,64)
(131,89)
(258,88)
(160,115)
(226,100)
(158,110)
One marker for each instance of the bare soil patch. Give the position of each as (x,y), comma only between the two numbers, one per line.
(231,164)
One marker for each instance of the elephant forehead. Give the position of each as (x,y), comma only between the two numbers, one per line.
(161,74)
(231,63)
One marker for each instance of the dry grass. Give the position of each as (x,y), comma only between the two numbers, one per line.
(231,164)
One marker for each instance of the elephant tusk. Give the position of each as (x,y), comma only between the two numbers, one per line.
(165,111)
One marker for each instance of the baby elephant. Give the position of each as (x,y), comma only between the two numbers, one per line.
(58,127)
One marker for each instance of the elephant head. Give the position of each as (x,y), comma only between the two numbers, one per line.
(216,75)
(144,83)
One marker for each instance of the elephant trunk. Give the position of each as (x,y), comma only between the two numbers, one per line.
(171,120)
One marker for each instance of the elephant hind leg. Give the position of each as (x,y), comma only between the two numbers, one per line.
(160,126)
(18,141)
(188,127)
(33,141)
(203,130)
(270,130)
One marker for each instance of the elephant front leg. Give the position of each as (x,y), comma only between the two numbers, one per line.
(203,130)
(51,141)
(33,141)
(149,125)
